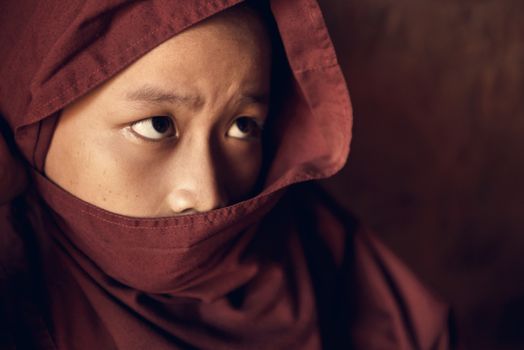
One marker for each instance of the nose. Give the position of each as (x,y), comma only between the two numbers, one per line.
(196,186)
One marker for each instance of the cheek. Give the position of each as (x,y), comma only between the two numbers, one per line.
(129,182)
(99,171)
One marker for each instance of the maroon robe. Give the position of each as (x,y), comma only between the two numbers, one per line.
(285,269)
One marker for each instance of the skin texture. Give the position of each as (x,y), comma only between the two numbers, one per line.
(202,81)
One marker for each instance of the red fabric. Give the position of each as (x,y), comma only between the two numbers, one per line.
(282,270)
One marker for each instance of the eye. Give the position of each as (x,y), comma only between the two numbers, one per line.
(245,128)
(154,128)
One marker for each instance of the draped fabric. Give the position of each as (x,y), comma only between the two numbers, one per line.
(285,269)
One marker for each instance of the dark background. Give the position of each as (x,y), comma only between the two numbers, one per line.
(437,162)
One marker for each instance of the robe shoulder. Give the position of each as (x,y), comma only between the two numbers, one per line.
(389,307)
(11,261)
(21,323)
(383,303)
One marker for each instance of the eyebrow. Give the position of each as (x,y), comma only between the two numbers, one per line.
(152,94)
(156,95)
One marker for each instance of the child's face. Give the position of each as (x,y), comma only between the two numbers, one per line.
(178,131)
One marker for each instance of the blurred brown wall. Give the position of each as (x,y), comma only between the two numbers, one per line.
(437,162)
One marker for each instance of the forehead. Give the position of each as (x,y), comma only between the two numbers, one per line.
(231,48)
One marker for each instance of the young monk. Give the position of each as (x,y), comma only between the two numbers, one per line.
(168,145)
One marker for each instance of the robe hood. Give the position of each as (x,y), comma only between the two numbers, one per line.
(58,53)
(61,53)
(170,282)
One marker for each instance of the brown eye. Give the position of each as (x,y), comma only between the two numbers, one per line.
(161,124)
(244,128)
(155,128)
